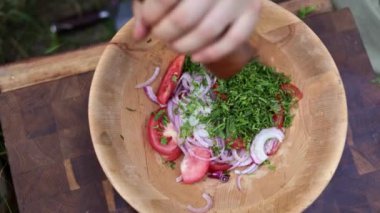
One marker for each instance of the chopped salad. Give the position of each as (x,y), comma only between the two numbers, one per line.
(219,126)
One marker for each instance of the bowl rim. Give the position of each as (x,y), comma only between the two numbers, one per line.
(312,196)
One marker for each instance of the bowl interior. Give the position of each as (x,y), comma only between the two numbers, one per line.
(304,165)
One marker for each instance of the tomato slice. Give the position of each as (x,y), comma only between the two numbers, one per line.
(155,133)
(194,169)
(174,156)
(293,90)
(169,81)
(214,167)
(237,143)
(279,118)
(222,96)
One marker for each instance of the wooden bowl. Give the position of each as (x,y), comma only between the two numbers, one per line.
(305,163)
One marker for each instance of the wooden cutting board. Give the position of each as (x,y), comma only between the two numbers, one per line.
(54,167)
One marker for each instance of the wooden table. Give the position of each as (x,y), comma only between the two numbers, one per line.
(55,169)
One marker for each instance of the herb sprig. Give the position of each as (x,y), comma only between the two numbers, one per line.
(305,11)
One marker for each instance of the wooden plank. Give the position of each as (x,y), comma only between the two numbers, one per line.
(52,159)
(39,70)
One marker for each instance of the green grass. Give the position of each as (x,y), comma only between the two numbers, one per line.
(24,27)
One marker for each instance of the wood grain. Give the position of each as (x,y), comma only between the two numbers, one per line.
(39,70)
(307,159)
(53,164)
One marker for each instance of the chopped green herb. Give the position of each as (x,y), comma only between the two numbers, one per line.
(174,78)
(305,11)
(164,141)
(229,145)
(176,110)
(130,109)
(272,167)
(165,120)
(181,106)
(253,97)
(266,162)
(204,82)
(186,130)
(170,164)
(159,115)
(192,67)
(156,127)
(269,165)
(196,85)
(216,150)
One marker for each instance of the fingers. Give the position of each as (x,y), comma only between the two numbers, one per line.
(149,12)
(239,32)
(184,17)
(141,30)
(211,27)
(153,10)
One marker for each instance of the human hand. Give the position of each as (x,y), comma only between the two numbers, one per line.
(206,29)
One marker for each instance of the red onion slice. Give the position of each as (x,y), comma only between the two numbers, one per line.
(258,143)
(199,140)
(198,157)
(237,157)
(170,110)
(179,179)
(238,182)
(204,209)
(254,158)
(183,149)
(271,146)
(149,92)
(186,81)
(208,87)
(225,157)
(177,122)
(195,142)
(246,162)
(248,170)
(240,161)
(150,80)
(198,78)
